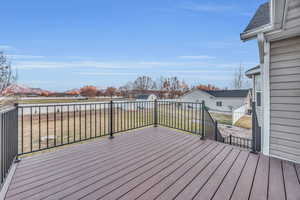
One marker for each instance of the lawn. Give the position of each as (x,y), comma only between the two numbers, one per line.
(49,101)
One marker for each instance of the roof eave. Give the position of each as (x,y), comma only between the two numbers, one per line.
(251,34)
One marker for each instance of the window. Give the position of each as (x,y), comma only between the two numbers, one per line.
(219,103)
(258,98)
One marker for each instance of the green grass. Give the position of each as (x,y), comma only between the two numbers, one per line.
(222,118)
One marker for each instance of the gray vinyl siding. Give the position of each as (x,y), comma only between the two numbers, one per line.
(293,15)
(285,99)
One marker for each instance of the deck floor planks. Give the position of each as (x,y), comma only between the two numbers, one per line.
(228,185)
(261,180)
(163,175)
(180,184)
(160,187)
(115,189)
(191,190)
(292,185)
(39,180)
(150,151)
(154,163)
(107,148)
(276,184)
(89,185)
(211,186)
(244,184)
(92,156)
(297,166)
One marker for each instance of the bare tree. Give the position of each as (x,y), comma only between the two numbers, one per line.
(6,75)
(239,79)
(143,83)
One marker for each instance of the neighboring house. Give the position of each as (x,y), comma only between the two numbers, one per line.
(255,75)
(219,100)
(276,26)
(146,97)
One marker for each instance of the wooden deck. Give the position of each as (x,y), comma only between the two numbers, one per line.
(154,163)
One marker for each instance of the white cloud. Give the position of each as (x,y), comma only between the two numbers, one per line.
(105,73)
(12,56)
(5,47)
(206,7)
(196,57)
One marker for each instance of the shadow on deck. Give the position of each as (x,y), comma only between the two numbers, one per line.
(154,163)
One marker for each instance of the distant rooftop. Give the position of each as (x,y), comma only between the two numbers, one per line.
(261,17)
(143,96)
(229,93)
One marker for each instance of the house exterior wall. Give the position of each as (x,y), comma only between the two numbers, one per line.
(284,77)
(228,103)
(292,20)
(257,88)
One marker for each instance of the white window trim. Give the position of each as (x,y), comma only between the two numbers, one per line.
(266,100)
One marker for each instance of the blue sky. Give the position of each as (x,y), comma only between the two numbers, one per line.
(60,45)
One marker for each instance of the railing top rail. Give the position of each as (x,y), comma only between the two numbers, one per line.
(190,102)
(7,109)
(77,104)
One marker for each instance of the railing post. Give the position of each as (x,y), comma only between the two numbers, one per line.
(230,139)
(202,118)
(216,130)
(155,113)
(253,128)
(17,133)
(111,135)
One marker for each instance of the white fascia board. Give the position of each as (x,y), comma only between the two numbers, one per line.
(253,33)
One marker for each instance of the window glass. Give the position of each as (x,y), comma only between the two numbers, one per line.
(258,98)
(258,82)
(219,103)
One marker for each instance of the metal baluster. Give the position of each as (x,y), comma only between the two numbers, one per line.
(68,123)
(61,125)
(54,125)
(30,128)
(39,127)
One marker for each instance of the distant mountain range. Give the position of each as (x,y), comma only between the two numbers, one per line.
(23,90)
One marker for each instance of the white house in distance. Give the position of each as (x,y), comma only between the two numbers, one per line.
(254,74)
(276,26)
(219,100)
(146,97)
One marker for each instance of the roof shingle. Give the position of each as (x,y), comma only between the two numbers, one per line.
(261,17)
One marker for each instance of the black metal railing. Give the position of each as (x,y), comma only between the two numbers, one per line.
(212,132)
(185,116)
(47,126)
(238,141)
(256,131)
(8,140)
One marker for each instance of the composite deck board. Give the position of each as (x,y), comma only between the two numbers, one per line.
(106,148)
(94,181)
(244,184)
(157,189)
(186,179)
(76,160)
(298,171)
(227,187)
(67,169)
(291,181)
(201,178)
(153,163)
(96,165)
(208,190)
(276,188)
(260,184)
(162,177)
